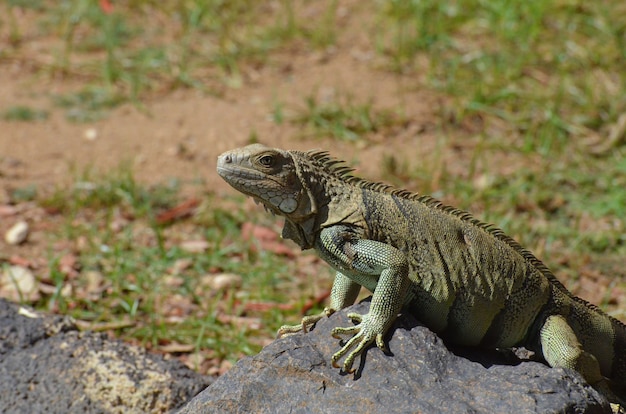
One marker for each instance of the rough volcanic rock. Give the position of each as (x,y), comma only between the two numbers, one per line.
(294,375)
(48,366)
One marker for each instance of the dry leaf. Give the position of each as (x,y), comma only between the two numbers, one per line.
(182,210)
(94,282)
(7,210)
(195,246)
(177,348)
(221,281)
(267,238)
(180,265)
(21,261)
(241,321)
(69,265)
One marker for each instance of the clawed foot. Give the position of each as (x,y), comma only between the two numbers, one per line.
(365,333)
(364,336)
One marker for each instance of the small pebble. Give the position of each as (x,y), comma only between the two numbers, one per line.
(224,281)
(17,234)
(91,134)
(18,283)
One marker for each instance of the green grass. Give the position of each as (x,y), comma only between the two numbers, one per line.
(136,51)
(149,289)
(118,189)
(342,119)
(543,71)
(547,72)
(89,104)
(24,114)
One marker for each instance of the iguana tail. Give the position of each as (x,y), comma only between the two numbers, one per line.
(618,368)
(604,337)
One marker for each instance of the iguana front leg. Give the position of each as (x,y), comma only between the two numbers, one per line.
(379,267)
(343,294)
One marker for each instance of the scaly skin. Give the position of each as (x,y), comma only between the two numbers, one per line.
(465,280)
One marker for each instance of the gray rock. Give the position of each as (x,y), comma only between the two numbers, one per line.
(48,366)
(294,375)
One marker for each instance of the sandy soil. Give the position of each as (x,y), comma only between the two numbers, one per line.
(180,135)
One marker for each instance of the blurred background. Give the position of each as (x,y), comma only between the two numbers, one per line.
(112,114)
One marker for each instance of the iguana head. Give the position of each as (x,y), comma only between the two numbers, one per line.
(310,189)
(270,176)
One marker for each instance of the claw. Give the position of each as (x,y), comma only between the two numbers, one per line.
(307,323)
(287,330)
(347,365)
(333,361)
(344,331)
(349,361)
(355,317)
(380,343)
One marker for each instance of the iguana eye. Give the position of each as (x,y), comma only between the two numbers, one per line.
(266,160)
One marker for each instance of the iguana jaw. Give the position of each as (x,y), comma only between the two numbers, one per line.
(266,174)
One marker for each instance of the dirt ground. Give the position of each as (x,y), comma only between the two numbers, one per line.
(180,135)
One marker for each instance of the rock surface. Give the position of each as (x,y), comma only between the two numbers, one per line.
(294,375)
(48,366)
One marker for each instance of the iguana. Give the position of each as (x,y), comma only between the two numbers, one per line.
(465,280)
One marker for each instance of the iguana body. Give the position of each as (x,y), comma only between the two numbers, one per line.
(468,282)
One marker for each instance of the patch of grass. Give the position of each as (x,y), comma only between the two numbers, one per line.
(115,190)
(24,114)
(116,269)
(88,105)
(133,52)
(545,72)
(343,119)
(25,193)
(324,34)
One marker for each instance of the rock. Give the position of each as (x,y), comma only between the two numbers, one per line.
(48,366)
(222,281)
(294,375)
(19,284)
(91,134)
(17,234)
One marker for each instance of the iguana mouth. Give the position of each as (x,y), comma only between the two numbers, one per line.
(236,176)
